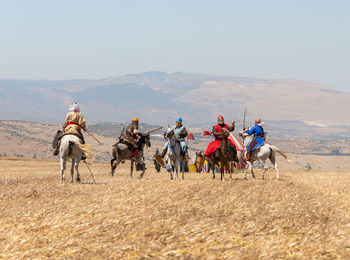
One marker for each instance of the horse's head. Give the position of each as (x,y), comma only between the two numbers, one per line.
(169,132)
(147,139)
(225,133)
(246,137)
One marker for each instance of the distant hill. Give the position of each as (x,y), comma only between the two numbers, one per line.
(19,139)
(158,98)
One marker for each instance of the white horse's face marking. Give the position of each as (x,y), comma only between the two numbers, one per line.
(169,132)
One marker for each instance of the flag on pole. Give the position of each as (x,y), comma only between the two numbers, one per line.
(240,151)
(205,133)
(190,136)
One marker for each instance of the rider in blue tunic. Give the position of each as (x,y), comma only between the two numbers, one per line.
(259,137)
(180,134)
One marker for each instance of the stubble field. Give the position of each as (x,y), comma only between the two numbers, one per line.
(303,216)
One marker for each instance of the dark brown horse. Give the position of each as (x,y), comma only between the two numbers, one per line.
(222,155)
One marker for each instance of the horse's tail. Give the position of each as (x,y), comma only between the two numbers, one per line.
(70,147)
(114,151)
(275,149)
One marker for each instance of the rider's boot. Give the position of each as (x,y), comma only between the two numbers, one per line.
(83,157)
(186,156)
(57,148)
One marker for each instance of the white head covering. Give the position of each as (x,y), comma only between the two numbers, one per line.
(74,107)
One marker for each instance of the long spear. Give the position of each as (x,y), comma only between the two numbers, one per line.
(154,130)
(245,111)
(93,137)
(90,171)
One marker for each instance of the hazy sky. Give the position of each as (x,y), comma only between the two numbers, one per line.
(303,39)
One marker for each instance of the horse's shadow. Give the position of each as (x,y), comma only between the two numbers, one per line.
(95,183)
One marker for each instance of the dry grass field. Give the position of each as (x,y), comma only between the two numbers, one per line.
(304,216)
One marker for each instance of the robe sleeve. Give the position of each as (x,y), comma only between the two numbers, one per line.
(82,122)
(231,128)
(216,134)
(184,132)
(66,121)
(251,131)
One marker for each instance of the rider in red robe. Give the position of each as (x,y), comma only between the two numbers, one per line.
(216,144)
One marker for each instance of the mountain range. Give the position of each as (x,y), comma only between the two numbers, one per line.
(158,98)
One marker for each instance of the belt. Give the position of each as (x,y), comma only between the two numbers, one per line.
(71,123)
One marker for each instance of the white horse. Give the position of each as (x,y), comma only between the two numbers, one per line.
(71,148)
(173,155)
(267,151)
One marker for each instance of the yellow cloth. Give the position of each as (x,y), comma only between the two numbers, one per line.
(77,121)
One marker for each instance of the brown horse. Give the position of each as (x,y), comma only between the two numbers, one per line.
(199,163)
(222,155)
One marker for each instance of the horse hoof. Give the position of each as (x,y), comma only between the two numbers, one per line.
(78,180)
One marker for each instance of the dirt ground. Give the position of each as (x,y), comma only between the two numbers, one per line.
(303,216)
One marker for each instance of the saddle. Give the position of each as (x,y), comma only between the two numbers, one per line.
(130,147)
(59,136)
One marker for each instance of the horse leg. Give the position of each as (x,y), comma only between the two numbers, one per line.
(72,170)
(264,169)
(213,167)
(171,174)
(140,161)
(274,163)
(77,170)
(176,169)
(172,169)
(143,171)
(131,167)
(222,170)
(63,168)
(182,168)
(252,171)
(116,163)
(263,172)
(245,170)
(112,166)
